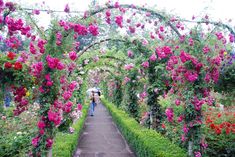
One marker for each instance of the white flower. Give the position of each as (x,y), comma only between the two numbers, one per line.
(18,133)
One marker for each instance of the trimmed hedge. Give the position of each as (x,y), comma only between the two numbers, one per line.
(66,143)
(145,142)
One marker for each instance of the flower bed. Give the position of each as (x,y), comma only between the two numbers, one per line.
(220,132)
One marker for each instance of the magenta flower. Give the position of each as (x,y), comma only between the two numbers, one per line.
(60,66)
(191,42)
(49,142)
(80,29)
(184,57)
(217,61)
(191,76)
(153,57)
(72,85)
(129,66)
(62,79)
(132,29)
(54,117)
(197,154)
(37,69)
(36,12)
(119,20)
(185,129)
(161,28)
(41,132)
(108,13)
(170,114)
(180,118)
(126,79)
(32,48)
(145,42)
(116,5)
(130,53)
(143,95)
(67,95)
(163,52)
(67,9)
(52,62)
(145,64)
(215,75)
(231,38)
(219,35)
(41,125)
(93,29)
(79,107)
(183,138)
(68,107)
(206,49)
(72,55)
(35,141)
(58,38)
(177,102)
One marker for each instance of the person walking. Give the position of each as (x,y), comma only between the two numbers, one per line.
(92,104)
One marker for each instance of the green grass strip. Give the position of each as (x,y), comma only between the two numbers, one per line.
(145,142)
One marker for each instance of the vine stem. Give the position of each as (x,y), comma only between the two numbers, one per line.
(160,16)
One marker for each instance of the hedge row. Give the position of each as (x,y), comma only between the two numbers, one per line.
(66,143)
(145,142)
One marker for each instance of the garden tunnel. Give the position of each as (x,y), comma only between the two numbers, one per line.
(157,54)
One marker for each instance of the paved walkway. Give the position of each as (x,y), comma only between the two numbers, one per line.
(101,138)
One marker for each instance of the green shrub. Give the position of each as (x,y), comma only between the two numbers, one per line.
(145,142)
(66,143)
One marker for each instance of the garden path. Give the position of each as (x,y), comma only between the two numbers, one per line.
(101,137)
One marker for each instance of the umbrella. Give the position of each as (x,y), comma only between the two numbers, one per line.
(91,89)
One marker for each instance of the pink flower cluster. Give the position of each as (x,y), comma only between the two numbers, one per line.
(108,14)
(93,29)
(58,38)
(54,63)
(41,45)
(191,76)
(130,53)
(14,25)
(67,9)
(37,69)
(197,103)
(129,66)
(54,117)
(48,81)
(13,42)
(170,114)
(145,64)
(67,95)
(119,20)
(32,48)
(80,29)
(73,55)
(68,107)
(153,57)
(21,102)
(163,52)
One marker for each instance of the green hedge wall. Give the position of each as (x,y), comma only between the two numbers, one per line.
(145,142)
(66,143)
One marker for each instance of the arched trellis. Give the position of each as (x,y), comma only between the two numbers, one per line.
(155,108)
(88,48)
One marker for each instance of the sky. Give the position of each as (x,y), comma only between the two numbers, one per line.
(216,9)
